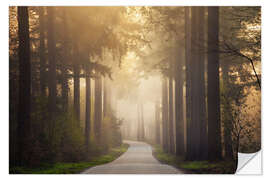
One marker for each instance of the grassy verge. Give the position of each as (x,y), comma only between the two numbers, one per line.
(71,168)
(194,167)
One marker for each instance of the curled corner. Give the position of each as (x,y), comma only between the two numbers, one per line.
(249,163)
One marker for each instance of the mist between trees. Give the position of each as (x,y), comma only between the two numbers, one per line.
(82,79)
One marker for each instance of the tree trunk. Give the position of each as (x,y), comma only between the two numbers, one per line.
(24,109)
(76,85)
(87,106)
(52,68)
(98,108)
(165,114)
(227,113)
(139,123)
(201,83)
(105,94)
(171,130)
(157,122)
(188,82)
(179,118)
(42,59)
(214,137)
(64,70)
(142,123)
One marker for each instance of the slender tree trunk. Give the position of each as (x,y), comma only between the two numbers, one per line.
(214,137)
(171,130)
(201,83)
(195,91)
(157,123)
(42,59)
(65,59)
(227,113)
(98,108)
(87,106)
(139,123)
(105,94)
(165,114)
(188,82)
(179,118)
(24,109)
(142,123)
(52,68)
(76,84)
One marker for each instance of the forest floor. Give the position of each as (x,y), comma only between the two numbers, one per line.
(194,167)
(72,168)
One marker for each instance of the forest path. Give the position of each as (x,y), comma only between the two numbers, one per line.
(138,159)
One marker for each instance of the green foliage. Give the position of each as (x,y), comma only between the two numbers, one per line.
(111,135)
(190,167)
(71,168)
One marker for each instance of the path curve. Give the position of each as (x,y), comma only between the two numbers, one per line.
(138,159)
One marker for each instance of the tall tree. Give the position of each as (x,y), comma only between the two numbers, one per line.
(171,124)
(87,105)
(142,122)
(157,121)
(105,97)
(76,84)
(24,109)
(165,142)
(65,60)
(213,99)
(98,108)
(227,114)
(139,123)
(52,67)
(179,117)
(201,84)
(188,81)
(42,57)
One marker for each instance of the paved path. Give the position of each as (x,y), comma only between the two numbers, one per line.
(137,160)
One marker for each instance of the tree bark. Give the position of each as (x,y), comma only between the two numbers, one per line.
(227,112)
(98,108)
(87,106)
(179,117)
(64,70)
(52,68)
(188,82)
(76,84)
(171,126)
(214,137)
(24,109)
(201,83)
(139,123)
(165,142)
(42,59)
(157,122)
(142,122)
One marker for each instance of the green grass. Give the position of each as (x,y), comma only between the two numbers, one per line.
(71,168)
(191,167)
